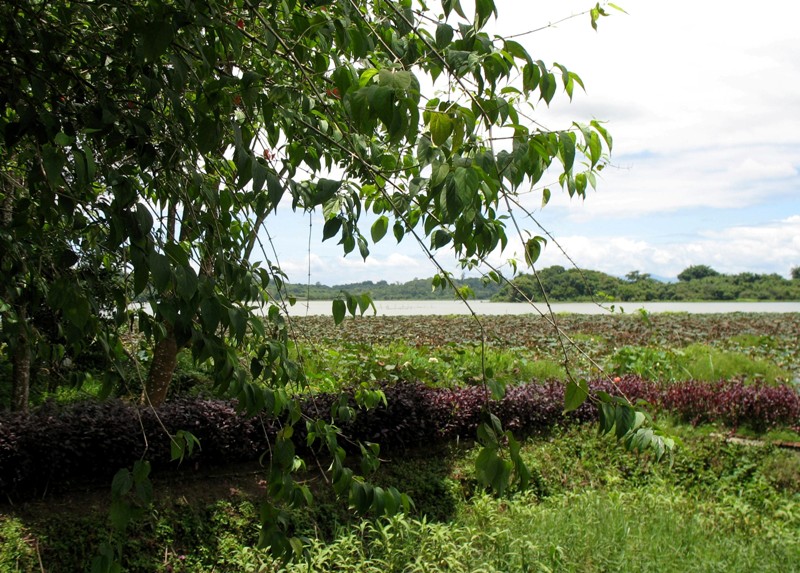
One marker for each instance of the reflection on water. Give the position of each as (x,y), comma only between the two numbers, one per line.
(447,307)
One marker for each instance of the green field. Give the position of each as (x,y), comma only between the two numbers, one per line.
(717,505)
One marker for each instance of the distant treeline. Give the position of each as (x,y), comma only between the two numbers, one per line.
(696,283)
(417,289)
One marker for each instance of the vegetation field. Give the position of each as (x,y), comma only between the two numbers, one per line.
(661,347)
(727,500)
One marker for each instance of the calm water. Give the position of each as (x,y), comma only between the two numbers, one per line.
(446,307)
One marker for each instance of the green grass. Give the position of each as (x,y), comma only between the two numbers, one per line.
(703,362)
(592,507)
(583,532)
(17,549)
(341,365)
(694,362)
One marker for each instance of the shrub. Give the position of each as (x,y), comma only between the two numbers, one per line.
(735,404)
(56,446)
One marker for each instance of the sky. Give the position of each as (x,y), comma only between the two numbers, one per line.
(703,102)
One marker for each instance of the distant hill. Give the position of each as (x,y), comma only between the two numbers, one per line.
(417,289)
(696,283)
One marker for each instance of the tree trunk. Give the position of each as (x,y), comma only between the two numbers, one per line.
(165,359)
(21,365)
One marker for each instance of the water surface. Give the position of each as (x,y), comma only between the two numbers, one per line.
(481,307)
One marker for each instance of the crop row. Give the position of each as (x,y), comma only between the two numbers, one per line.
(60,446)
(535,331)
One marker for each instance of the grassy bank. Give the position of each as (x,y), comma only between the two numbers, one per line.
(592,507)
(719,506)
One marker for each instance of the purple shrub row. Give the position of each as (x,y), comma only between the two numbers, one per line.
(55,447)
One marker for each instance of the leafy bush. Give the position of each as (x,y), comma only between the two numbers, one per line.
(54,447)
(735,404)
(57,446)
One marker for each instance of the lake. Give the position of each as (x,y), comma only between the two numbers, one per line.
(482,307)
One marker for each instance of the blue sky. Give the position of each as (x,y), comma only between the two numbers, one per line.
(703,101)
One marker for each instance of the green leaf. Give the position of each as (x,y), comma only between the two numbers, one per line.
(575,394)
(238,322)
(396,79)
(381,101)
(523,473)
(359,497)
(326,189)
(625,419)
(339,310)
(399,231)
(157,37)
(77,311)
(366,76)
(364,302)
(186,282)
(547,84)
(441,126)
(141,272)
(122,482)
(331,228)
(161,271)
(607,418)
(379,228)
(177,253)
(492,471)
(448,5)
(440,238)
(259,175)
(545,196)
(144,220)
(466,183)
(497,388)
(531,75)
(595,148)
(62,139)
(363,249)
(274,188)
(444,35)
(439,174)
(566,145)
(120,515)
(483,11)
(53,160)
(533,249)
(603,133)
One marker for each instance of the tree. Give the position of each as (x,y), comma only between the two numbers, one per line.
(636,276)
(795,273)
(695,272)
(158,138)
(165,137)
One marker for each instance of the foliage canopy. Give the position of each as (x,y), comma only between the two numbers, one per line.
(153,140)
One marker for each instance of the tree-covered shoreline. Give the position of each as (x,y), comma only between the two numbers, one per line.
(696,283)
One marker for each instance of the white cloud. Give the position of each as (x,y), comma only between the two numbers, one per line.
(710,178)
(336,269)
(762,248)
(755,169)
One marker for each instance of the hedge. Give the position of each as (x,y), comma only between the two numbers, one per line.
(55,447)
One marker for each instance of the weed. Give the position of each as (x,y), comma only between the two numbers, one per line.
(17,552)
(694,362)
